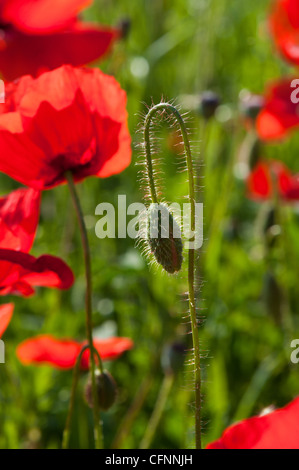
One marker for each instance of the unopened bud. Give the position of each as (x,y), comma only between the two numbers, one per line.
(209,103)
(106,390)
(164,238)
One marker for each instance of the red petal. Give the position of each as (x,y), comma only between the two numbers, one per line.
(265,174)
(279,114)
(20,272)
(276,430)
(36,16)
(19,214)
(284,24)
(63,353)
(109,348)
(6,312)
(23,54)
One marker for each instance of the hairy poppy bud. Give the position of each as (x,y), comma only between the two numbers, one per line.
(106,390)
(164,238)
(173,358)
(209,103)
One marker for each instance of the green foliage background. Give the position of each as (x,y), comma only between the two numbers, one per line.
(175,48)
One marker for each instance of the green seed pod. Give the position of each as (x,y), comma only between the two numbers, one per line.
(106,390)
(164,238)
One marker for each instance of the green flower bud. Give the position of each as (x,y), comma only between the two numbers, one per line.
(164,238)
(106,390)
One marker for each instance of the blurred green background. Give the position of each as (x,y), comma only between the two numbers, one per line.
(175,48)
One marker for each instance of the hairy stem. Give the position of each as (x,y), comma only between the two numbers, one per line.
(98,434)
(191,251)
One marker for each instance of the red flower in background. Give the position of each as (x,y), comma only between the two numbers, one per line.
(269,173)
(19,271)
(6,312)
(19,215)
(65,120)
(276,430)
(279,114)
(62,354)
(40,35)
(284,24)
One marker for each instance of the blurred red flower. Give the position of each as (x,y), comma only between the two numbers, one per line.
(279,114)
(6,312)
(284,25)
(19,271)
(266,174)
(62,354)
(19,215)
(65,120)
(276,430)
(40,35)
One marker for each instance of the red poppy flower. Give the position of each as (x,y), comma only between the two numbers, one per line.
(267,174)
(19,271)
(279,114)
(65,120)
(40,35)
(284,24)
(80,44)
(276,430)
(6,312)
(62,354)
(19,214)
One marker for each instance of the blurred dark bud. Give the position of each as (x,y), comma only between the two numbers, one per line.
(250,151)
(208,104)
(273,297)
(173,358)
(267,225)
(164,238)
(251,104)
(106,390)
(125,27)
(232,230)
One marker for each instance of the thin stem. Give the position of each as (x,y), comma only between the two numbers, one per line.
(76,374)
(98,434)
(191,251)
(158,411)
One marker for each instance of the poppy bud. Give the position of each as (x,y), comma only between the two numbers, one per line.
(251,105)
(173,358)
(209,103)
(106,390)
(164,238)
(124,27)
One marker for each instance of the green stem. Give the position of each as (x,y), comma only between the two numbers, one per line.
(98,434)
(76,373)
(191,251)
(158,411)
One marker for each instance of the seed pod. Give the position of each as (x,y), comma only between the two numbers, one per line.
(106,390)
(164,238)
(209,103)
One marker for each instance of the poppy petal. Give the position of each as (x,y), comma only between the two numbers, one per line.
(45,349)
(276,430)
(36,16)
(22,54)
(19,214)
(20,272)
(6,312)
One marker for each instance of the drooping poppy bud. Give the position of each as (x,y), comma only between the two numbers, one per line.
(164,238)
(106,390)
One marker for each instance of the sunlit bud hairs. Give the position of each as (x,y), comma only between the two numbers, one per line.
(106,390)
(163,234)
